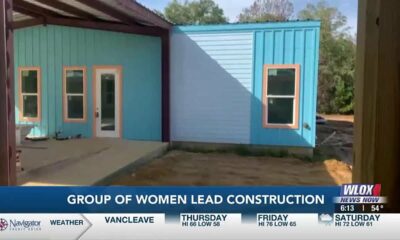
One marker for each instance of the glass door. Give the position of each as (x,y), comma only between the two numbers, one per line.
(107,110)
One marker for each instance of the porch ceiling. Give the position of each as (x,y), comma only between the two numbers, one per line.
(112,15)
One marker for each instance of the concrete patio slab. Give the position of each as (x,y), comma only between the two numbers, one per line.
(82,162)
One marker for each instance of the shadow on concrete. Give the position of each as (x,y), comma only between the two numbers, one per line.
(82,161)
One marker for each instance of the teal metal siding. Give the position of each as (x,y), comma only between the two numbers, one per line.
(299,45)
(53,47)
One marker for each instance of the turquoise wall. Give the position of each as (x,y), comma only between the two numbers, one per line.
(227,81)
(52,47)
(288,45)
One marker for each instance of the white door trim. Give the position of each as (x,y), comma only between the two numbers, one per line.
(97,132)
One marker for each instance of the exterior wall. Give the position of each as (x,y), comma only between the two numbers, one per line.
(296,45)
(217,77)
(211,86)
(52,47)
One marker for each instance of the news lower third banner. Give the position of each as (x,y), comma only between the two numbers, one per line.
(347,212)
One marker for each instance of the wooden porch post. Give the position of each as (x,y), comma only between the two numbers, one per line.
(7,116)
(377,113)
(165,78)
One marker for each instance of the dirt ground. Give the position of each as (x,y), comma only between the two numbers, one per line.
(181,168)
(178,168)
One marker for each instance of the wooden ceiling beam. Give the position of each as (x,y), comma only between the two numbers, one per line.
(98,24)
(143,13)
(68,8)
(112,12)
(28,23)
(107,26)
(26,12)
(20,4)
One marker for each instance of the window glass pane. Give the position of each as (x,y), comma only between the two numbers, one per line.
(29,81)
(75,107)
(280,110)
(74,81)
(281,81)
(30,106)
(108,102)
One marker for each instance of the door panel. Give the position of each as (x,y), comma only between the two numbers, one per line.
(108,105)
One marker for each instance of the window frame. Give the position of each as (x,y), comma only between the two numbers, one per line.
(38,94)
(265,96)
(83,94)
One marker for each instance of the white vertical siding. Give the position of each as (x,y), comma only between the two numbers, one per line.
(211,86)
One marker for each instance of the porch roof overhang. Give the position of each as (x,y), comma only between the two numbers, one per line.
(111,15)
(126,16)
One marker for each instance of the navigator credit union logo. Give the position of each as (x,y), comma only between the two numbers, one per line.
(19,225)
(3,224)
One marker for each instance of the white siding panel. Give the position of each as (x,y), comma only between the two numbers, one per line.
(211,85)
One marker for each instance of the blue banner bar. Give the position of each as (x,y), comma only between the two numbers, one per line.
(168,200)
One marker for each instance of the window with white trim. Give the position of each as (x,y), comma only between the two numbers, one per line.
(280,96)
(29,93)
(74,94)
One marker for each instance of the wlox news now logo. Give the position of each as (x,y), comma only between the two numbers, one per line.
(361,190)
(360,193)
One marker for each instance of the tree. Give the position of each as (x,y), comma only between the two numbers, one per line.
(337,59)
(194,12)
(267,10)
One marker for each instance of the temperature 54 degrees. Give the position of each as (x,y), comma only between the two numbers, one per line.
(376,207)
